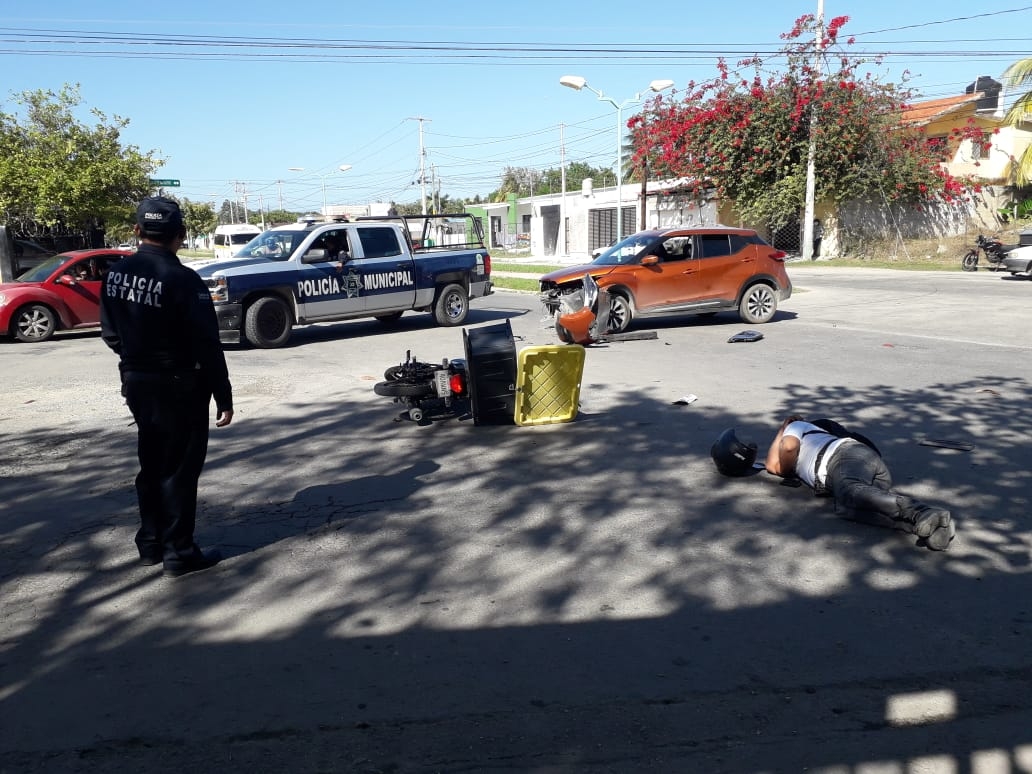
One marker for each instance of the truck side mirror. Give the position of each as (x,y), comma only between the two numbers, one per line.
(315,255)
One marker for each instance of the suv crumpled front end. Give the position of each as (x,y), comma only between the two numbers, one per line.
(558,284)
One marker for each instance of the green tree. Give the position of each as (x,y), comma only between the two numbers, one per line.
(409,208)
(199,217)
(230,212)
(275,218)
(1019,76)
(516,180)
(58,171)
(576,173)
(749,138)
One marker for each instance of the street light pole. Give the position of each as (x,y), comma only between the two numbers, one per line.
(322,177)
(577,83)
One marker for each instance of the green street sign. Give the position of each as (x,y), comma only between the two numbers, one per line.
(163,183)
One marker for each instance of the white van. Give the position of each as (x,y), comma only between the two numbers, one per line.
(231,237)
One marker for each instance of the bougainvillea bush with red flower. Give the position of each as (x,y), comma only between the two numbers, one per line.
(748,138)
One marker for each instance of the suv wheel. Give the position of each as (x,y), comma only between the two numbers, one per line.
(758,304)
(619,313)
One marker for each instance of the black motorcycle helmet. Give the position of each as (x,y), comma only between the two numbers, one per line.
(732,456)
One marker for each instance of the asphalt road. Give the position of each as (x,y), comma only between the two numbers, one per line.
(577,597)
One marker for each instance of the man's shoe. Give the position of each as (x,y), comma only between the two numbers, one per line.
(941,537)
(926,518)
(175,568)
(151,555)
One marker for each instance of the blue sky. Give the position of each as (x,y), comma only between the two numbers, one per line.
(235,94)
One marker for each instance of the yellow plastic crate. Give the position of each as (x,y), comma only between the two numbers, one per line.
(548,379)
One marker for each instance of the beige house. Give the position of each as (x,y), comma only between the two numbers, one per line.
(989,159)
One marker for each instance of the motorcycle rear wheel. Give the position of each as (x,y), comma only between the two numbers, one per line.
(399,389)
(970,261)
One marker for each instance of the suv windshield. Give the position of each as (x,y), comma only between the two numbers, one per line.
(627,251)
(274,245)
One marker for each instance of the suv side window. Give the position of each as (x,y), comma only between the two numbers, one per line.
(677,248)
(739,243)
(714,245)
(378,242)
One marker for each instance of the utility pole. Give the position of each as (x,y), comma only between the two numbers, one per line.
(562,174)
(279,184)
(811,156)
(435,187)
(645,180)
(422,161)
(241,190)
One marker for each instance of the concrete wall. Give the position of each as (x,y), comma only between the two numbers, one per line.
(859,222)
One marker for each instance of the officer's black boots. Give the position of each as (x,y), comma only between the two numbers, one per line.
(191,562)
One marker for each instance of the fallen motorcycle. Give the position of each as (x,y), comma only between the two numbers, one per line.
(428,391)
(995,253)
(492,385)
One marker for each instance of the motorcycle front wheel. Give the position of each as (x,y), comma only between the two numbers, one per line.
(970,261)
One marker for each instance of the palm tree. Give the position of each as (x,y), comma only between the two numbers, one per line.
(1019,75)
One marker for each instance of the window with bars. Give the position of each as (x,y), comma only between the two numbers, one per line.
(980,148)
(602,225)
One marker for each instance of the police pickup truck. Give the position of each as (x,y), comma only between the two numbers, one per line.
(314,271)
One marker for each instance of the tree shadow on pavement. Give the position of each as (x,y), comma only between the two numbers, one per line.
(585,596)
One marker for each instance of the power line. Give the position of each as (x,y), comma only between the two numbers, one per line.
(132,46)
(947,21)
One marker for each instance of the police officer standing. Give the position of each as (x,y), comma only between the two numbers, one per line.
(157,315)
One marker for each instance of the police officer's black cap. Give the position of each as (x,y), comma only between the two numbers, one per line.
(158,215)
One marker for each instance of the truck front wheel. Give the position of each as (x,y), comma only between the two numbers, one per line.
(451,306)
(267,322)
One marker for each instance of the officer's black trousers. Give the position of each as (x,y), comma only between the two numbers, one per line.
(172,415)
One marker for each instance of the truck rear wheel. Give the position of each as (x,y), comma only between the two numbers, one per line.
(267,322)
(451,306)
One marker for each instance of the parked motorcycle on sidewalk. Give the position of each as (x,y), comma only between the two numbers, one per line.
(995,253)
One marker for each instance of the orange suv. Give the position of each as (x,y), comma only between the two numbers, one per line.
(698,270)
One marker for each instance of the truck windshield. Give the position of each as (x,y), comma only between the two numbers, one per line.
(274,245)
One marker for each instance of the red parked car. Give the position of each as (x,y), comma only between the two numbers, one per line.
(61,293)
